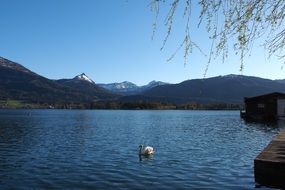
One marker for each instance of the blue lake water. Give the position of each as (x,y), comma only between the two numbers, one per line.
(75,149)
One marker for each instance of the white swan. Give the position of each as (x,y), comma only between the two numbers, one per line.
(148,150)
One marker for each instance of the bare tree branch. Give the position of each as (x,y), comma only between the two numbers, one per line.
(241,22)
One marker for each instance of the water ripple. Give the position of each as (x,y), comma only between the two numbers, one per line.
(62,149)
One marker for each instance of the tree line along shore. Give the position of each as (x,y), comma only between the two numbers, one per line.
(18,104)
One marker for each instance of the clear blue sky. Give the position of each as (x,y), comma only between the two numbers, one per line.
(109,40)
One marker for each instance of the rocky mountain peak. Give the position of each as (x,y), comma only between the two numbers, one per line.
(84,77)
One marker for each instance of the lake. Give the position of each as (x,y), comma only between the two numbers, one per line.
(98,149)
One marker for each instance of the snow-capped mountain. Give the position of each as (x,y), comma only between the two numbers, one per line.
(83,83)
(84,77)
(152,84)
(119,85)
(129,88)
(124,88)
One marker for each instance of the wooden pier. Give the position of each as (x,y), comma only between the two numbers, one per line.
(269,165)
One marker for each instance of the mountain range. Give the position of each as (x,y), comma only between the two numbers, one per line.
(19,83)
(129,88)
(221,89)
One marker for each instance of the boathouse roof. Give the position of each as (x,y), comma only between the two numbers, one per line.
(265,96)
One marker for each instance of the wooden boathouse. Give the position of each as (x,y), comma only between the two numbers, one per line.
(267,107)
(269,165)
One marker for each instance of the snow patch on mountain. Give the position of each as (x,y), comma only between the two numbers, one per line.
(154,83)
(124,85)
(120,86)
(84,77)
